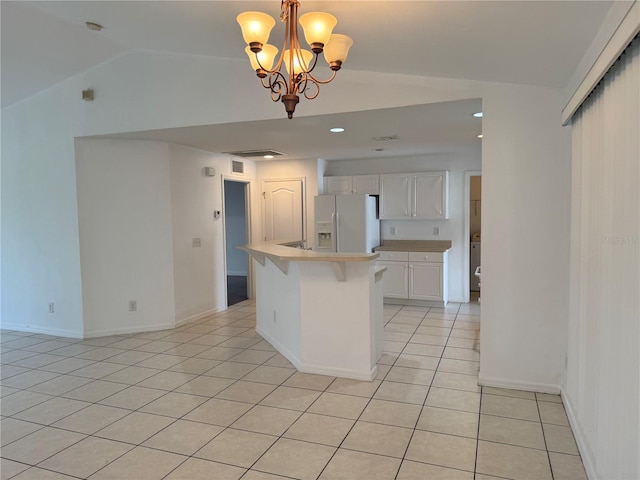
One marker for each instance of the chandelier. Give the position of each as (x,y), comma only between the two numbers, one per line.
(299,63)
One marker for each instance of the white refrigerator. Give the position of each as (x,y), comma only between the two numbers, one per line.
(346,223)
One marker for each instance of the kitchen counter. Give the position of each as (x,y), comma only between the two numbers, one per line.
(285,253)
(414,246)
(281,256)
(322,311)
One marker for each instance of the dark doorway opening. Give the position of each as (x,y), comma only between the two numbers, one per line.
(235,223)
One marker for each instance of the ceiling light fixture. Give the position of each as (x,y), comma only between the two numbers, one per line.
(268,157)
(336,130)
(478,114)
(299,63)
(479,136)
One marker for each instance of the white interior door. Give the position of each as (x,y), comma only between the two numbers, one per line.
(283,207)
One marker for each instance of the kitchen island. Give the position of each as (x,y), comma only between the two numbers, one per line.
(322,311)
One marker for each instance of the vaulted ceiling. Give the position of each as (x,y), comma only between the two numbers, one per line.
(525,42)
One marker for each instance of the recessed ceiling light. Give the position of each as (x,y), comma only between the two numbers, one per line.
(336,130)
(268,157)
(480,136)
(93,26)
(478,114)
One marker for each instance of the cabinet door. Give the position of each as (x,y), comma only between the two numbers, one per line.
(395,198)
(425,281)
(338,185)
(430,195)
(369,184)
(394,279)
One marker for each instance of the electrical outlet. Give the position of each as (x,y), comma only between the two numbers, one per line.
(393,230)
(133,306)
(436,231)
(52,308)
(196,242)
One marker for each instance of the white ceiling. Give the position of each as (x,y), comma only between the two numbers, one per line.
(526,42)
(446,128)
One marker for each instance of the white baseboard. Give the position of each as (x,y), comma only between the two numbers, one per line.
(583,448)
(458,300)
(339,372)
(109,331)
(317,369)
(197,316)
(285,352)
(46,330)
(518,385)
(413,303)
(128,330)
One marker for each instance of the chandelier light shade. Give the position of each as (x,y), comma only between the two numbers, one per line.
(317,27)
(263,60)
(296,78)
(256,26)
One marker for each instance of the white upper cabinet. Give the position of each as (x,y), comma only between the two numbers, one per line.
(338,185)
(369,184)
(430,195)
(414,196)
(395,196)
(346,185)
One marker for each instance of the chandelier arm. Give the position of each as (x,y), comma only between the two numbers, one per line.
(277,84)
(313,63)
(305,83)
(323,82)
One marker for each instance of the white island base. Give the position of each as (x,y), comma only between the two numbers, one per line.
(322,311)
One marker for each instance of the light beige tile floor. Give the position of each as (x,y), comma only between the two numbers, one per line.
(213,400)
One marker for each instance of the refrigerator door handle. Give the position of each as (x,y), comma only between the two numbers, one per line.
(334,236)
(337,249)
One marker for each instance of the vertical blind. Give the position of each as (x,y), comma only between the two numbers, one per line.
(603,380)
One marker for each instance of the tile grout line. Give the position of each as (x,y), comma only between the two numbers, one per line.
(370,398)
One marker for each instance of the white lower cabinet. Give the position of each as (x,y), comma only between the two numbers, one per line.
(415,276)
(395,280)
(425,281)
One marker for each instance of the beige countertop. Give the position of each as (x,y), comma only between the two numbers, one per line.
(289,254)
(414,246)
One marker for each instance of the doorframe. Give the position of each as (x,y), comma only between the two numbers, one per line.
(247,205)
(467,231)
(303,180)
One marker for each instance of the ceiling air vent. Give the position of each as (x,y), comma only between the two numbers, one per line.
(386,138)
(237,166)
(254,153)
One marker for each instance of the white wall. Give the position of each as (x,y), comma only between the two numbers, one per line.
(523,153)
(40,245)
(200,282)
(525,232)
(124,218)
(450,229)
